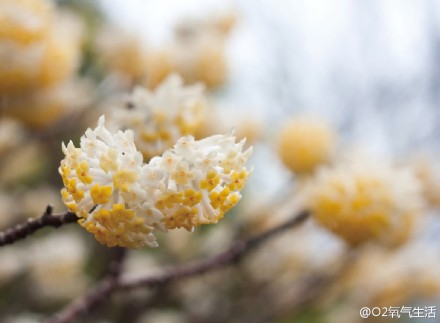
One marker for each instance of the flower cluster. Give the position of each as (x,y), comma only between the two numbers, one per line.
(122,201)
(198,181)
(40,48)
(101,187)
(366,201)
(305,144)
(200,47)
(25,20)
(34,49)
(159,118)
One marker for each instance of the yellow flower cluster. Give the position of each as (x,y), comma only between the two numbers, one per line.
(122,201)
(361,202)
(196,53)
(100,186)
(305,144)
(160,117)
(16,27)
(200,44)
(39,52)
(203,180)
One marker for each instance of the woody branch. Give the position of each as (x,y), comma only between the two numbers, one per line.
(48,219)
(110,284)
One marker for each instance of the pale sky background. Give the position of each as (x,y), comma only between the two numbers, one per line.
(372,68)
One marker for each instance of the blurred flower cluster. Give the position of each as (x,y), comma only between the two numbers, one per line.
(167,159)
(40,48)
(196,52)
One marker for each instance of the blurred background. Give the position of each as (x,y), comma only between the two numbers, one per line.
(369,68)
(356,78)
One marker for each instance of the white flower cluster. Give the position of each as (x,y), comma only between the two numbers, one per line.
(122,201)
(159,118)
(198,181)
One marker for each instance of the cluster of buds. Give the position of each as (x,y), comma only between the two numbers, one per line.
(122,200)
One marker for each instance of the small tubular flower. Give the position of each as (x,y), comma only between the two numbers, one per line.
(305,144)
(159,118)
(361,202)
(196,182)
(101,187)
(122,201)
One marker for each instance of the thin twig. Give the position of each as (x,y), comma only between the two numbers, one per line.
(91,300)
(48,219)
(112,282)
(230,256)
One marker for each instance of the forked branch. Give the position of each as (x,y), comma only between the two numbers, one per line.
(48,219)
(112,283)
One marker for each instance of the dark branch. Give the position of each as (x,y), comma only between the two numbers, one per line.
(48,219)
(228,257)
(112,282)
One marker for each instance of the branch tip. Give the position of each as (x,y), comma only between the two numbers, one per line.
(49,210)
(48,219)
